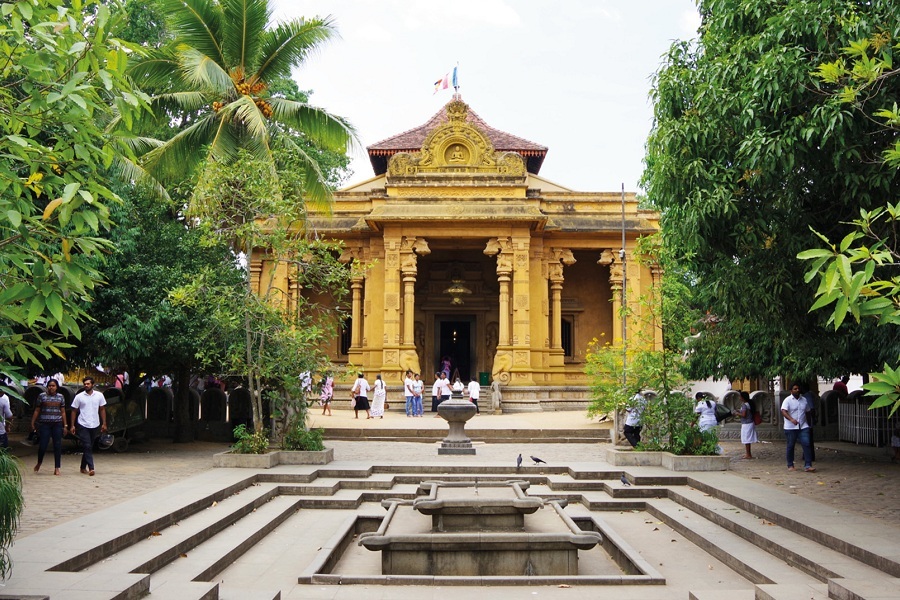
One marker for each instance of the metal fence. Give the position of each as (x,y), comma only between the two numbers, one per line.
(858,424)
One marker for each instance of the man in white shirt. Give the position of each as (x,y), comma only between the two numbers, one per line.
(794,409)
(360,394)
(410,393)
(90,408)
(418,388)
(474,393)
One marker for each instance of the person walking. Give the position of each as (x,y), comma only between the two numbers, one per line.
(474,393)
(89,413)
(748,424)
(5,420)
(794,409)
(418,388)
(360,394)
(327,394)
(379,398)
(49,420)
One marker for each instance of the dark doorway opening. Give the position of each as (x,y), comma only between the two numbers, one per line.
(456,343)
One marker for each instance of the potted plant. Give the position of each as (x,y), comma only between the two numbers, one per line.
(250,450)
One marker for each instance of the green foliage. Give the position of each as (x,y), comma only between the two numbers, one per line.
(269,334)
(300,438)
(250,442)
(11,504)
(215,78)
(670,425)
(747,153)
(858,277)
(64,82)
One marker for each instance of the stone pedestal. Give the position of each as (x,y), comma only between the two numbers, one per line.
(456,412)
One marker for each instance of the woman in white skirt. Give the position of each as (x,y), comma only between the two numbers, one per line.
(378,398)
(748,425)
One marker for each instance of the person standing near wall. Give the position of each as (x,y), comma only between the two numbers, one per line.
(748,425)
(410,394)
(794,410)
(632,428)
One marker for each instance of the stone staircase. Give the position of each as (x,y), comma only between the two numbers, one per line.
(254,535)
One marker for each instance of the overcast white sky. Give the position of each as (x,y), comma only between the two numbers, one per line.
(572,75)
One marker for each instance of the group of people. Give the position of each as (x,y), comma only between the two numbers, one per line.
(413,388)
(795,409)
(86,420)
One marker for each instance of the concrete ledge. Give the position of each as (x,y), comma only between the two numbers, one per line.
(273,459)
(626,457)
(306,457)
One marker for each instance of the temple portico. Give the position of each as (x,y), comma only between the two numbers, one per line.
(461,250)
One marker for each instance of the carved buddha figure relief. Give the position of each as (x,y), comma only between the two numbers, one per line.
(456,154)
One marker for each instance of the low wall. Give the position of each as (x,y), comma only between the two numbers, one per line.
(626,457)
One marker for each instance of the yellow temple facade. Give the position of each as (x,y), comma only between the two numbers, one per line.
(471,257)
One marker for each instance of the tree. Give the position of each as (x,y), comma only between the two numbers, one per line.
(63,81)
(134,324)
(746,153)
(858,277)
(215,79)
(268,335)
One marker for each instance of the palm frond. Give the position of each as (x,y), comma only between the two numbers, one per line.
(154,72)
(178,101)
(197,23)
(316,192)
(12,502)
(181,154)
(244,25)
(244,114)
(289,44)
(322,128)
(202,71)
(129,171)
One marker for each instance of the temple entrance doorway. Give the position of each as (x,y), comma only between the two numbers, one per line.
(455,341)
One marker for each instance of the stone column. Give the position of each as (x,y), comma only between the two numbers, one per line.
(409,249)
(503,356)
(256,268)
(357,278)
(561,257)
(390,356)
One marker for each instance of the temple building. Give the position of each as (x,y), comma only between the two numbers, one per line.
(472,257)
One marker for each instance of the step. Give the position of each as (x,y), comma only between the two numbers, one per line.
(153,553)
(742,556)
(816,591)
(211,557)
(783,543)
(185,590)
(885,588)
(227,592)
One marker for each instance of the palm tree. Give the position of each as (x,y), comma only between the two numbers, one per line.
(11,504)
(214,82)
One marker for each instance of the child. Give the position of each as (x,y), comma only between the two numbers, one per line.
(895,444)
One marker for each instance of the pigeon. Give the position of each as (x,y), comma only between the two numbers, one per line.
(624,480)
(603,418)
(537,460)
(519,461)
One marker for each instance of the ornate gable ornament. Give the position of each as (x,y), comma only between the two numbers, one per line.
(457,148)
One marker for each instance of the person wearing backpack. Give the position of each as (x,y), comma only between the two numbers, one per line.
(747,415)
(706,408)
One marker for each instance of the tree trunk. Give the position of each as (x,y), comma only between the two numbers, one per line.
(184,427)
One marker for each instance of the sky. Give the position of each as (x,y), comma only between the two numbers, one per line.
(572,75)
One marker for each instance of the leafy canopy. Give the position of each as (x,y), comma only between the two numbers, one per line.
(215,79)
(64,81)
(747,153)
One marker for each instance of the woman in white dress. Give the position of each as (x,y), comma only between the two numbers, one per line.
(748,424)
(378,398)
(706,408)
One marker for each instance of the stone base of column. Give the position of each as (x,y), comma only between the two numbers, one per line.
(456,448)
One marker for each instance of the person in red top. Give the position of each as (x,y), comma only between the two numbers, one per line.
(840,386)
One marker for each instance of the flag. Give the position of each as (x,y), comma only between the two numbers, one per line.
(442,84)
(446,81)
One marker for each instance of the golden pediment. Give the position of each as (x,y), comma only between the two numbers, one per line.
(456,148)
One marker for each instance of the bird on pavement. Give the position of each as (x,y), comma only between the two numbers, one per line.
(537,460)
(519,461)
(624,480)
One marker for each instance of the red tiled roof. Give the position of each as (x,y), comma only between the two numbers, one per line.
(411,141)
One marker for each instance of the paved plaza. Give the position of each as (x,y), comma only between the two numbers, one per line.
(855,493)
